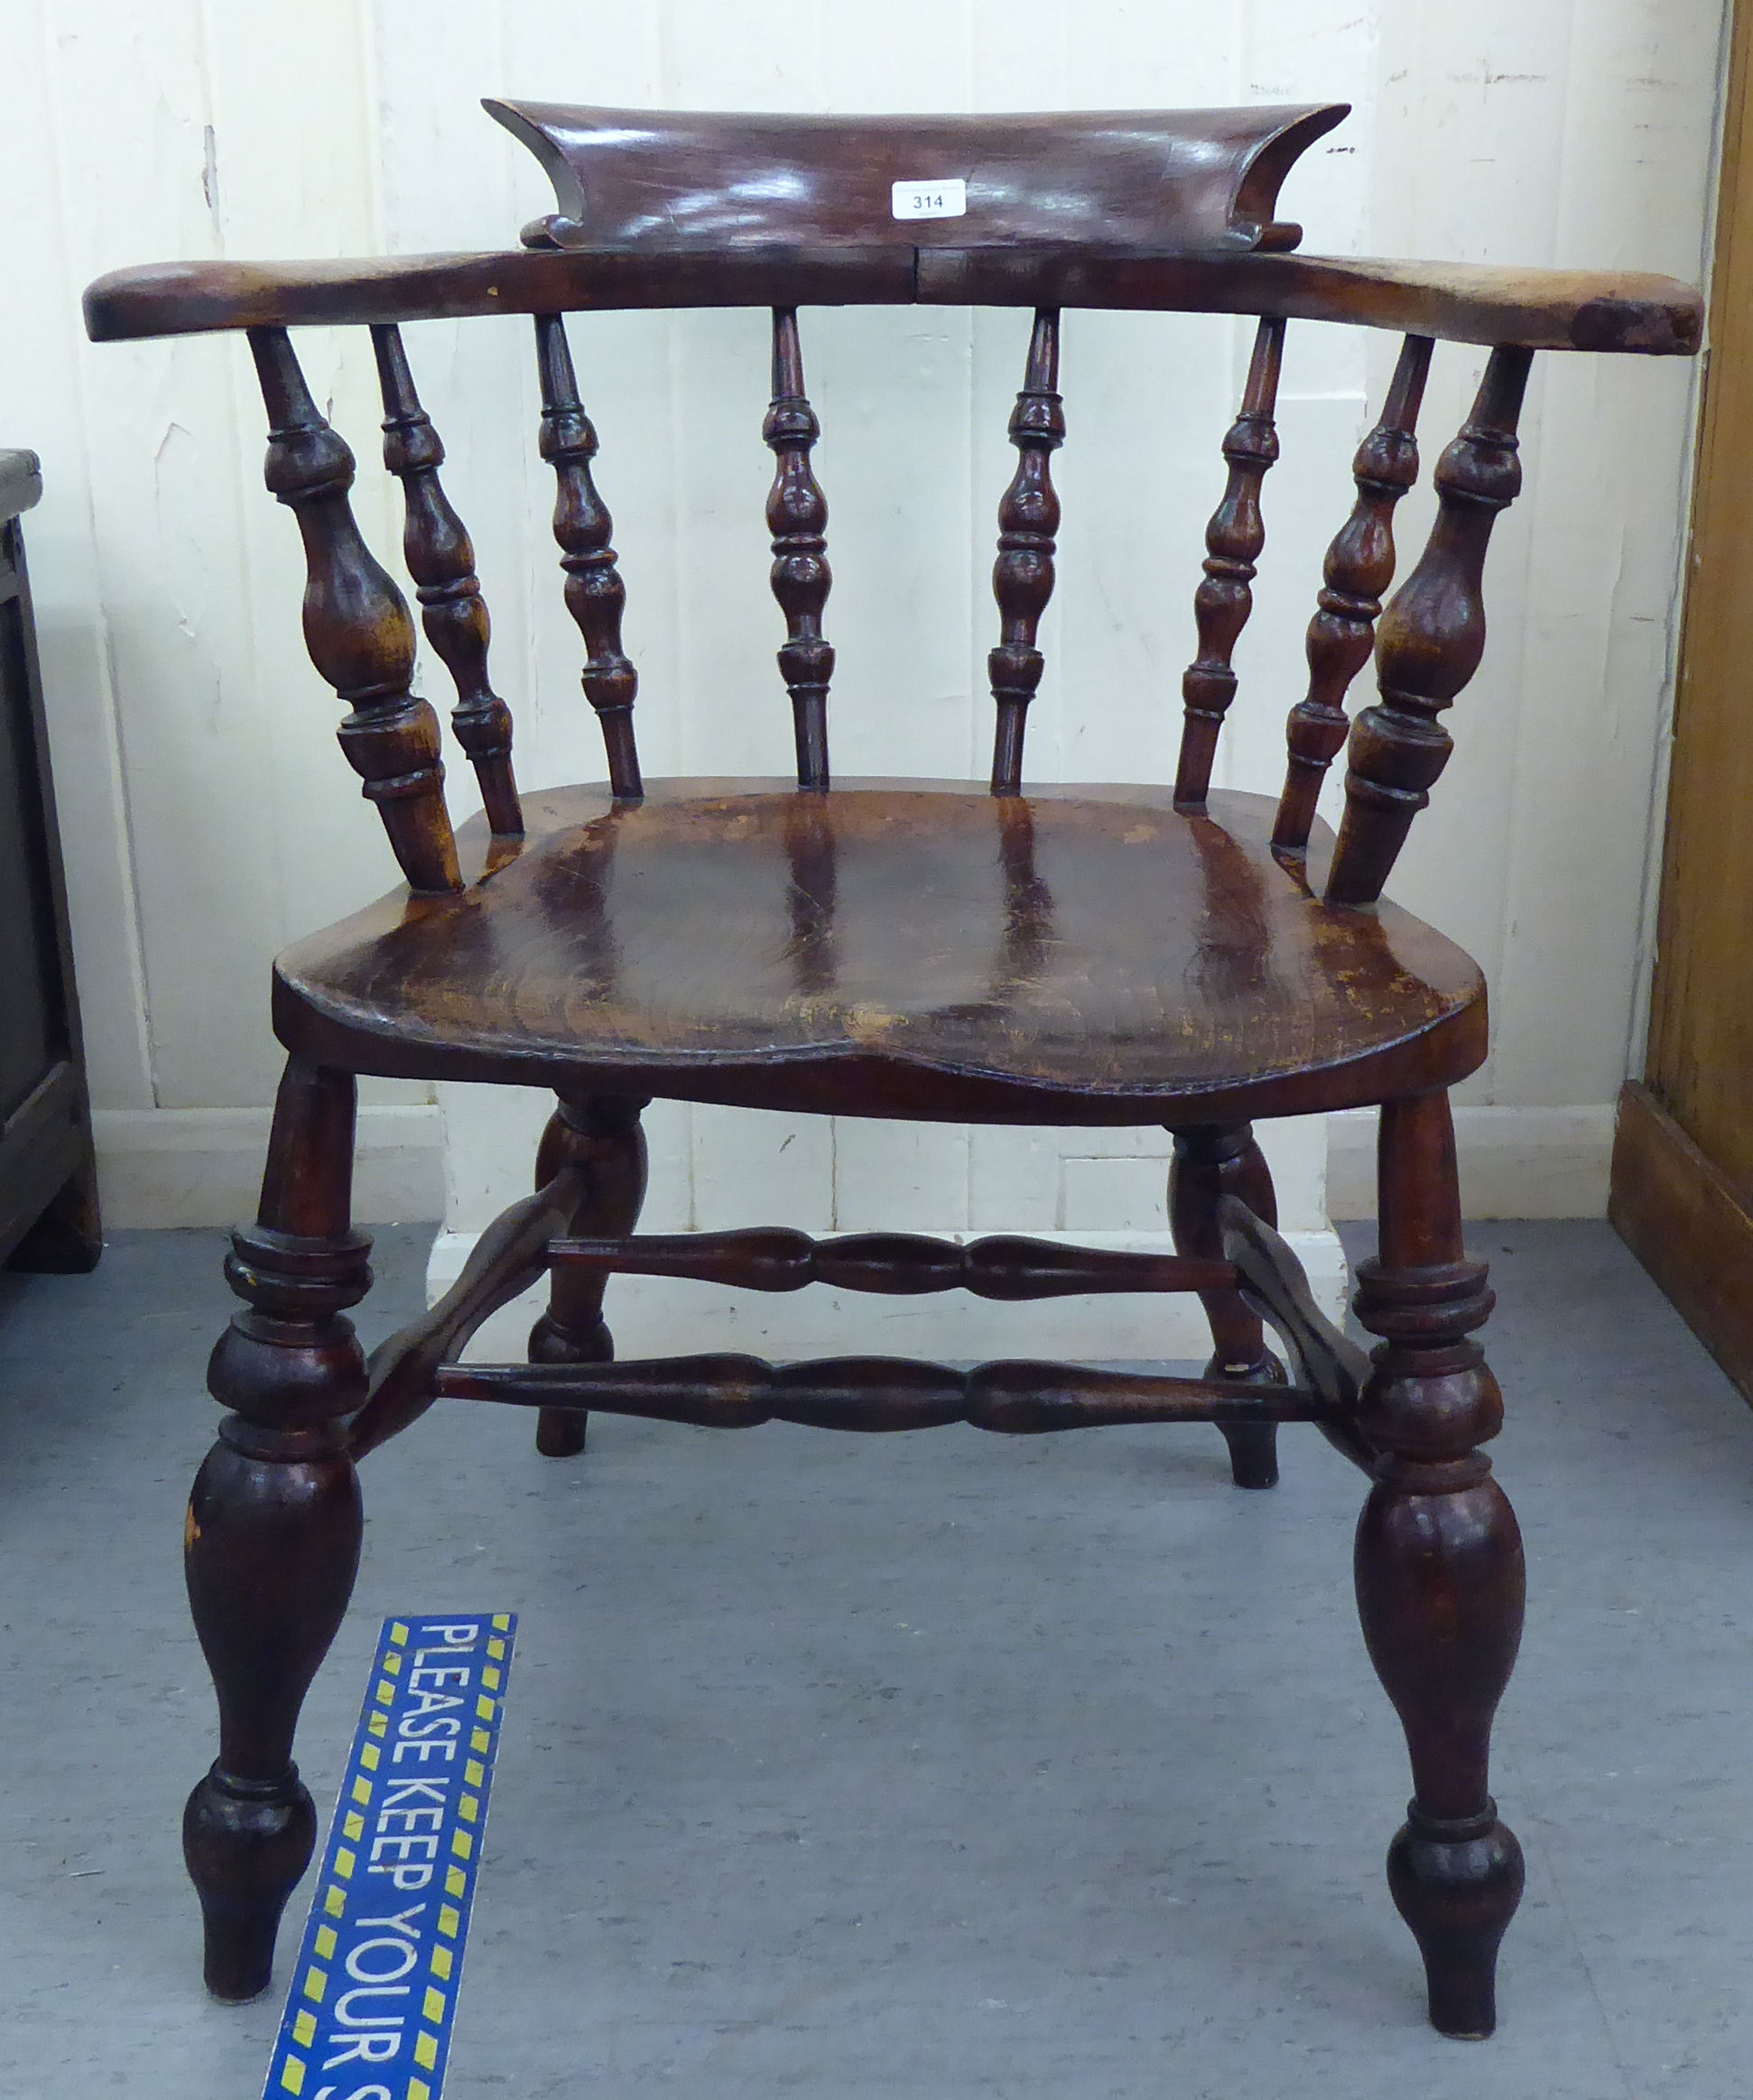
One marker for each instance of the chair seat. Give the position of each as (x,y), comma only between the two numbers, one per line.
(1084,955)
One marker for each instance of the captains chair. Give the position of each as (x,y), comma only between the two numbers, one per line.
(1101,955)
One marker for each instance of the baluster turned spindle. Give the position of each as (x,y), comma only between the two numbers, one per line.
(1358,568)
(1233,541)
(595,593)
(356,624)
(1022,575)
(440,558)
(797,517)
(1431,637)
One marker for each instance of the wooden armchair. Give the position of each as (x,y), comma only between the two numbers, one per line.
(1109,955)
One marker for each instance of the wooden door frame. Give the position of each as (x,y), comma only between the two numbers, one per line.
(1681,1190)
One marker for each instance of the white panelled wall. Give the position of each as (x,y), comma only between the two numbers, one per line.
(208,818)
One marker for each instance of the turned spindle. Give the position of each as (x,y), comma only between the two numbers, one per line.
(1358,568)
(1439,1563)
(356,624)
(595,593)
(1023,573)
(1233,542)
(440,558)
(1430,640)
(274,1520)
(797,517)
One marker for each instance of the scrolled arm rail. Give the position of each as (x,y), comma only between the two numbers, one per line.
(1535,310)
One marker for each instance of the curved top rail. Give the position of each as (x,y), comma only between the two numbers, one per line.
(1178,178)
(1539,309)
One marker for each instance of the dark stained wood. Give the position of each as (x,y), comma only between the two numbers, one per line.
(652,949)
(878,1393)
(1077,955)
(357,627)
(1023,573)
(599,1136)
(1433,636)
(49,1210)
(1439,1562)
(1211,1163)
(715,183)
(1689,1223)
(1327,1361)
(797,517)
(1233,542)
(440,558)
(275,1521)
(595,593)
(1358,568)
(508,1257)
(1539,309)
(895,1265)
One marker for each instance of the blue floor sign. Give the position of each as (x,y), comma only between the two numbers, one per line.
(372,1996)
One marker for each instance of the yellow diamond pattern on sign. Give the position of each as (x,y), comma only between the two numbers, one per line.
(323,1971)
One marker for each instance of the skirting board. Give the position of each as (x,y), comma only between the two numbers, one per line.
(652,1316)
(203,1166)
(1515,1162)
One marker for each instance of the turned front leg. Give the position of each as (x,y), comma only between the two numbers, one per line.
(1212,1161)
(274,1525)
(1439,1564)
(601,1133)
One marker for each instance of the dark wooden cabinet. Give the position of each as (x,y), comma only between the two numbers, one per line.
(48,1176)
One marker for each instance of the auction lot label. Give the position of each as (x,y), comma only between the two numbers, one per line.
(375,1991)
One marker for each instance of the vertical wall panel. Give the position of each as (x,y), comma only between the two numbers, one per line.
(1533,132)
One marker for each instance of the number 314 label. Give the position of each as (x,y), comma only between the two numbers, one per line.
(930,200)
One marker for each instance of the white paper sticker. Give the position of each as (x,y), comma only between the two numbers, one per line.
(930,200)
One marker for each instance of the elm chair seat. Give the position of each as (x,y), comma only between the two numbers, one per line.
(1088,955)
(1009,951)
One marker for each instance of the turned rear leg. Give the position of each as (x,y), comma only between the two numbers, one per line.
(1212,1160)
(274,1525)
(1439,1564)
(601,1132)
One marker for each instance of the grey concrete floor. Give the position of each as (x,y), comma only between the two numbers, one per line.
(937,1765)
